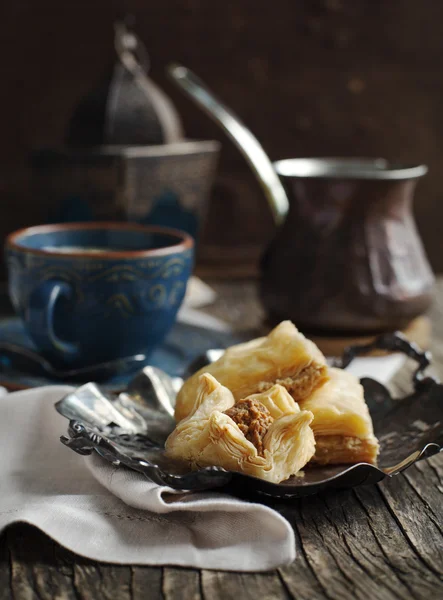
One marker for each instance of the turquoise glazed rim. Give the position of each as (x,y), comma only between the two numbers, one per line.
(180,241)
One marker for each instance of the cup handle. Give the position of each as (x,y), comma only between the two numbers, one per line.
(40,312)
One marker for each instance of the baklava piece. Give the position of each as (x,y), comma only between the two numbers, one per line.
(265,435)
(284,357)
(342,424)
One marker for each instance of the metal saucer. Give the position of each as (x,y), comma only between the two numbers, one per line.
(130,429)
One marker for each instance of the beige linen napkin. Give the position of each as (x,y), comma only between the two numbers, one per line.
(115,515)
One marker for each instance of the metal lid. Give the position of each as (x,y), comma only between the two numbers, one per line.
(126,107)
(348,168)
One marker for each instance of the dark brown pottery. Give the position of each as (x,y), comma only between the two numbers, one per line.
(348,257)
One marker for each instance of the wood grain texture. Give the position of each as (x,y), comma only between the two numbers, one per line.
(231,586)
(181,583)
(380,542)
(416,500)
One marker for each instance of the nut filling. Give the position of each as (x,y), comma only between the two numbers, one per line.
(253,420)
(300,386)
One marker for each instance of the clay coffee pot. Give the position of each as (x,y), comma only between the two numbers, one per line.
(346,258)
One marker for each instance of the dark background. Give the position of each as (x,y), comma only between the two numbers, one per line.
(309,77)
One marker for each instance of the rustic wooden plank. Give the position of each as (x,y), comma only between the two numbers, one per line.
(247,586)
(146,582)
(330,527)
(407,568)
(181,583)
(415,501)
(237,304)
(33,566)
(344,538)
(426,478)
(106,582)
(300,579)
(33,569)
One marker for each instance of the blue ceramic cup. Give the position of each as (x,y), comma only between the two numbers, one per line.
(92,292)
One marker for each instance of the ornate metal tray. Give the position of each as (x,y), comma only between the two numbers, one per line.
(130,429)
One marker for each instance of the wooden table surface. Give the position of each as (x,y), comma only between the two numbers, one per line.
(375,542)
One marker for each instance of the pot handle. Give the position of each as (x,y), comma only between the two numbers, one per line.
(243,138)
(392,342)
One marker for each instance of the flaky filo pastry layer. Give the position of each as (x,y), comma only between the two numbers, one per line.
(342,424)
(283,357)
(345,450)
(210,437)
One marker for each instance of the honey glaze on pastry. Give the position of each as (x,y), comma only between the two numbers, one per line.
(284,357)
(342,424)
(266,435)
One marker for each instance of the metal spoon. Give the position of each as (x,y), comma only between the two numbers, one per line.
(13,356)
